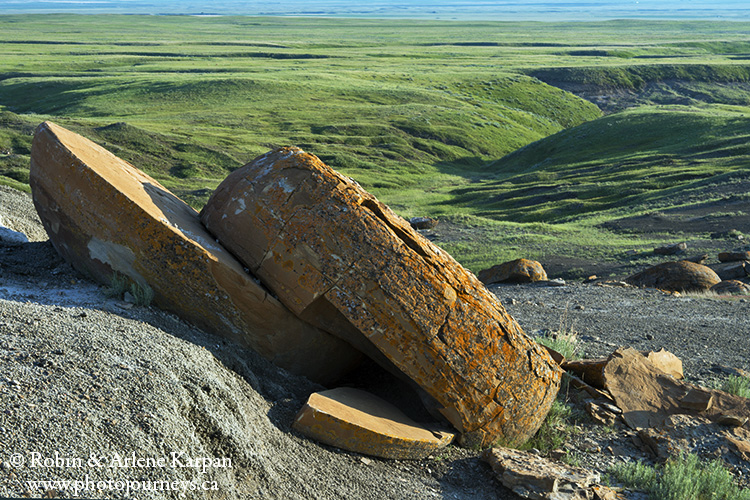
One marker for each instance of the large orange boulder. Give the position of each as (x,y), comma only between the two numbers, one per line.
(679,276)
(515,271)
(344,261)
(105,216)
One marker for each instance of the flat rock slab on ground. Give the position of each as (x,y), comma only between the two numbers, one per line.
(344,261)
(356,420)
(103,216)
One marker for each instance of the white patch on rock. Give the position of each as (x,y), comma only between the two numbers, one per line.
(120,258)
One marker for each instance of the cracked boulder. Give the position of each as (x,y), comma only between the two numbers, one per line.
(104,216)
(346,263)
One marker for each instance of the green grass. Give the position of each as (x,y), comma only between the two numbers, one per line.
(448,119)
(737,385)
(681,478)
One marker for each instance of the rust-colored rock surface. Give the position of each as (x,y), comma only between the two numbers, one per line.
(345,262)
(103,215)
(647,395)
(515,271)
(680,276)
(358,421)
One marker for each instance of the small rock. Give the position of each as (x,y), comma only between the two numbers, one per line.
(731,421)
(515,271)
(423,222)
(671,249)
(733,256)
(730,287)
(699,259)
(697,399)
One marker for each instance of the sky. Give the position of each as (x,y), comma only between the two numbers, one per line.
(435,9)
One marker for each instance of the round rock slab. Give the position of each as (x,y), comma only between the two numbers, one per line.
(679,276)
(358,421)
(344,261)
(103,216)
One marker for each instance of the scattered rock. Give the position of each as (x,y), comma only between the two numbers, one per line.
(534,477)
(345,262)
(660,395)
(515,271)
(731,287)
(734,256)
(732,270)
(666,362)
(423,222)
(698,259)
(104,216)
(591,371)
(732,420)
(358,421)
(675,249)
(680,276)
(697,399)
(601,413)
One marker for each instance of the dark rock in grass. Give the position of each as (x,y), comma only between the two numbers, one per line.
(732,270)
(675,249)
(698,259)
(734,256)
(515,271)
(680,276)
(420,223)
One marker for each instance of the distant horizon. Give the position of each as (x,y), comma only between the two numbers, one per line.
(518,10)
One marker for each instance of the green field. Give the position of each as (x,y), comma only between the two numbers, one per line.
(541,140)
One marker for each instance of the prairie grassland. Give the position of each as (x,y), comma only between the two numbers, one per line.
(464,121)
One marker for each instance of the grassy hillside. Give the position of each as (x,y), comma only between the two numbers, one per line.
(476,123)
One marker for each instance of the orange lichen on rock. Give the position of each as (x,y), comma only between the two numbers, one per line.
(358,421)
(345,262)
(103,216)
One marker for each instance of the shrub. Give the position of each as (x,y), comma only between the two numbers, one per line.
(739,386)
(681,478)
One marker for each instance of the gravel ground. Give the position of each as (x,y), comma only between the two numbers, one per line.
(83,376)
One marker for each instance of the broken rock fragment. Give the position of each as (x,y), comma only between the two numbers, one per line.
(648,396)
(358,421)
(345,262)
(533,477)
(104,216)
(731,287)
